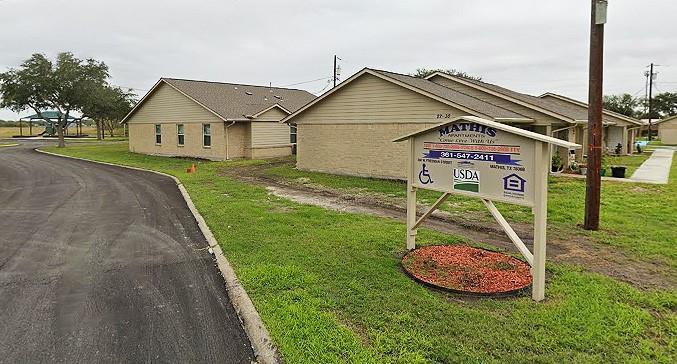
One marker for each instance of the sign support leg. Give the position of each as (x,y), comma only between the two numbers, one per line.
(411,217)
(411,198)
(540,211)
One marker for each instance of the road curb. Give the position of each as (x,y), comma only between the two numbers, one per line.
(263,346)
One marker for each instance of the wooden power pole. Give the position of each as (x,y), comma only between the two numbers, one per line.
(335,70)
(594,162)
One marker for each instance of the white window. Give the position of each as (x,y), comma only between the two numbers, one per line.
(180,134)
(206,135)
(158,134)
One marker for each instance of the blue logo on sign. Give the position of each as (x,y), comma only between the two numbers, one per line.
(514,182)
(424,175)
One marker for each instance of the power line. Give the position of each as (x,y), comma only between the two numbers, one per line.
(640,90)
(134,88)
(304,82)
(324,88)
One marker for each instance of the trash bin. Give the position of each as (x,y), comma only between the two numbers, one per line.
(618,171)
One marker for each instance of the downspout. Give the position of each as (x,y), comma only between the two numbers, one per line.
(228,140)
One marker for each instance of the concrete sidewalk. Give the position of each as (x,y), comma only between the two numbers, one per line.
(656,169)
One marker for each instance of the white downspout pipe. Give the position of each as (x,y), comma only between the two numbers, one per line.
(228,140)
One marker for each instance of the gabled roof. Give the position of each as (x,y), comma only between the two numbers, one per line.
(459,100)
(276,106)
(669,118)
(497,126)
(232,101)
(564,100)
(533,102)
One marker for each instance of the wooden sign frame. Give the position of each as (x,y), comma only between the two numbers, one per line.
(539,162)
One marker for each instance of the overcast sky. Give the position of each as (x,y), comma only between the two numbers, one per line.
(531,46)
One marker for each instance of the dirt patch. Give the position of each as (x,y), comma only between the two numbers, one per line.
(562,248)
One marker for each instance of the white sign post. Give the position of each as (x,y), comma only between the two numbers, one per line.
(480,158)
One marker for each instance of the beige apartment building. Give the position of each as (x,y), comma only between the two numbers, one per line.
(667,130)
(213,120)
(349,129)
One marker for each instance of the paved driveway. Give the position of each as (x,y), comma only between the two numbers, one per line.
(104,264)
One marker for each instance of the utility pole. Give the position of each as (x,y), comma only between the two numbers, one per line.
(651,74)
(337,69)
(593,178)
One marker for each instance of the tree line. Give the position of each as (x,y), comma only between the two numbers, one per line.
(67,85)
(663,105)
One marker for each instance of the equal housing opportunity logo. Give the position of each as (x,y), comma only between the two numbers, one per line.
(466,180)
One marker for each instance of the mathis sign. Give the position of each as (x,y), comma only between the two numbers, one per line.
(480,158)
(470,158)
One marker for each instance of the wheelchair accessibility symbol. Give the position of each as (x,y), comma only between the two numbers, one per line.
(424,175)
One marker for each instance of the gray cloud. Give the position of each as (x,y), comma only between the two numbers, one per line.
(532,46)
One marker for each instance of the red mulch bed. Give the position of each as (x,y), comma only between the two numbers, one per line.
(466,269)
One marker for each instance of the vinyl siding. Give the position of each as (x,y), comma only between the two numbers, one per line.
(370,99)
(667,132)
(274,114)
(168,105)
(269,133)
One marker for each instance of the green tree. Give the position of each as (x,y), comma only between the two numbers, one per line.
(425,72)
(623,104)
(65,85)
(108,107)
(665,104)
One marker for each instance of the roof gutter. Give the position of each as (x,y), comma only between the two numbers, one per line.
(552,133)
(515,120)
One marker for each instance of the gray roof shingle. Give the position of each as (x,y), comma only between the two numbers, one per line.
(454,96)
(235,101)
(556,107)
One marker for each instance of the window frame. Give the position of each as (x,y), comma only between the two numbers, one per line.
(180,135)
(206,127)
(158,134)
(293,133)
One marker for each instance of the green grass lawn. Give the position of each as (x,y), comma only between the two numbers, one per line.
(639,217)
(631,162)
(329,287)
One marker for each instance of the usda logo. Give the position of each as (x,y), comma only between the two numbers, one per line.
(466,180)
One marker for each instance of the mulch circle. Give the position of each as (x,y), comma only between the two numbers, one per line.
(464,269)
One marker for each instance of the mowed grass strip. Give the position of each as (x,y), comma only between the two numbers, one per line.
(330,289)
(641,218)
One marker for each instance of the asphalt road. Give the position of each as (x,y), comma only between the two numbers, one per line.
(105,264)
